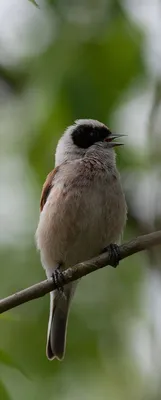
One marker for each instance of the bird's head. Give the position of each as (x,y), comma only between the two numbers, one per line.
(84,134)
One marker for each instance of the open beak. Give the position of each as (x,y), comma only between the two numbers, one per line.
(110,138)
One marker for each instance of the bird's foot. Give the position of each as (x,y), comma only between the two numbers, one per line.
(58,279)
(114,252)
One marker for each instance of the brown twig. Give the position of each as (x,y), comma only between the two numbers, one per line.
(78,271)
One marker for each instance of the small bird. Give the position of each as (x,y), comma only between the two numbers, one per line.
(82,211)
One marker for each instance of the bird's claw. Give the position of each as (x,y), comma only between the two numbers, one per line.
(114,252)
(58,279)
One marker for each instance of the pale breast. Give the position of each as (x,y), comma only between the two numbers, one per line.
(80,219)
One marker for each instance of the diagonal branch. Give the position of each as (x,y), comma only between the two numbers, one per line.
(78,271)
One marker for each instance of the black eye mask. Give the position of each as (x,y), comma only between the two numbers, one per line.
(85,136)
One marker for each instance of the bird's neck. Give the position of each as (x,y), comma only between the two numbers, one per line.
(105,157)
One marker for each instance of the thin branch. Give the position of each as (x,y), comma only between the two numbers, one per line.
(78,271)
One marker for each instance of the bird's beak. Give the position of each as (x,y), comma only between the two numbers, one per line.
(110,139)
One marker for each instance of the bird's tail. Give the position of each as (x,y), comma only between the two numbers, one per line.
(58,318)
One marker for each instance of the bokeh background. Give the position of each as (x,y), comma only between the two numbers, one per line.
(63,60)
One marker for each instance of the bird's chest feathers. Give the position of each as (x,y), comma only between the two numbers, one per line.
(80,219)
(105,208)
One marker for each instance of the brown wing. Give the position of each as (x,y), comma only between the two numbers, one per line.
(47,187)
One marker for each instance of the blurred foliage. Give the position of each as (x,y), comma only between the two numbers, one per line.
(72,60)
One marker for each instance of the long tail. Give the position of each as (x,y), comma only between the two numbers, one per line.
(58,318)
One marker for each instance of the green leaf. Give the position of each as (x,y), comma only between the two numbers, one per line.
(3,392)
(34,2)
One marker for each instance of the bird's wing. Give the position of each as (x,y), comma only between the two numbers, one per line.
(47,186)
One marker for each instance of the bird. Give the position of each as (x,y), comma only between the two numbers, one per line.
(82,212)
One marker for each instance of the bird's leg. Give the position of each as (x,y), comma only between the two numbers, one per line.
(114,252)
(58,279)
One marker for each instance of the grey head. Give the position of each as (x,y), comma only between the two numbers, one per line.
(83,136)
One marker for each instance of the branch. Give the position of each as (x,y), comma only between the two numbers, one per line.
(78,271)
